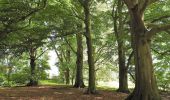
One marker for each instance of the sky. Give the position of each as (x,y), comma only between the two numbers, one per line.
(52,60)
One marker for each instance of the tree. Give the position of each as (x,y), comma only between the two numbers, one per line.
(67,71)
(119,23)
(29,40)
(66,57)
(87,22)
(79,63)
(77,12)
(33,81)
(15,12)
(145,85)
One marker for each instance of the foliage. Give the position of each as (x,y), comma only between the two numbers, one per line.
(52,25)
(161,50)
(20,72)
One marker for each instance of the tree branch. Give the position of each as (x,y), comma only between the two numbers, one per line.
(161,53)
(76,15)
(99,53)
(132,76)
(65,34)
(32,12)
(160,18)
(74,51)
(129,59)
(41,54)
(81,2)
(59,57)
(157,29)
(152,1)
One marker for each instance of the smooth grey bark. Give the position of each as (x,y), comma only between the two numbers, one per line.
(79,63)
(119,32)
(33,81)
(87,21)
(145,84)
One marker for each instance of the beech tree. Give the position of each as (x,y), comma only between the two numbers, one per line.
(87,21)
(15,12)
(120,19)
(79,63)
(145,85)
(68,22)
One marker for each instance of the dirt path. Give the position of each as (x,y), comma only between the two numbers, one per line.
(56,93)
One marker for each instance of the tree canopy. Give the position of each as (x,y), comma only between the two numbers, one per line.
(95,41)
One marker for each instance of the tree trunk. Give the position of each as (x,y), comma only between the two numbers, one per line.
(33,81)
(9,74)
(67,73)
(79,63)
(145,85)
(119,32)
(72,80)
(91,87)
(61,64)
(123,80)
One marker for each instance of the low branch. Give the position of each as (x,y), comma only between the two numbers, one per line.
(41,54)
(76,15)
(152,1)
(99,53)
(62,35)
(132,76)
(65,34)
(32,12)
(129,59)
(157,29)
(161,53)
(101,62)
(74,51)
(59,57)
(160,18)
(81,2)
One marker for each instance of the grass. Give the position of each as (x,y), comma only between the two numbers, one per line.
(107,88)
(54,82)
(49,82)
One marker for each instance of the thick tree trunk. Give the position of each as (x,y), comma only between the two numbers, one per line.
(79,63)
(33,81)
(123,80)
(91,87)
(119,32)
(145,85)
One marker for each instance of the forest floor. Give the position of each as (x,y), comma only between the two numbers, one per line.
(60,92)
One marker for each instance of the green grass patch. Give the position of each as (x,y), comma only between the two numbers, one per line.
(107,88)
(49,82)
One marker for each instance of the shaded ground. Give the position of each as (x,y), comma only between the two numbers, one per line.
(165,95)
(58,93)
